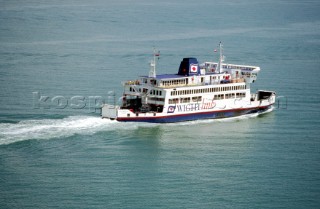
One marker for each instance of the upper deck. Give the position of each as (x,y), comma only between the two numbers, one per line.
(207,74)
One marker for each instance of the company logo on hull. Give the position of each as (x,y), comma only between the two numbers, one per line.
(171,109)
(191,107)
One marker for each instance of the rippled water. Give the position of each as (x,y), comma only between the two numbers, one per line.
(71,158)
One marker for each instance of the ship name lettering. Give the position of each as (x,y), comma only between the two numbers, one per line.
(195,107)
(188,107)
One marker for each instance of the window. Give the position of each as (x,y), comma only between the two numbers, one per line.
(185,100)
(229,96)
(218,96)
(196,99)
(173,101)
(241,95)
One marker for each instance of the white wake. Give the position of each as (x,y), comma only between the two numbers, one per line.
(82,125)
(52,128)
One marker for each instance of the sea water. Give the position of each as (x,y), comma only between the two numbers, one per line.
(53,154)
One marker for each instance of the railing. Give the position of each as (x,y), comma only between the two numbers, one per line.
(136,82)
(237,80)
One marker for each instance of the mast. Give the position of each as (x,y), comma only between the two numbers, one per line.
(221,57)
(153,64)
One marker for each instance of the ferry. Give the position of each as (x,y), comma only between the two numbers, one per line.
(209,90)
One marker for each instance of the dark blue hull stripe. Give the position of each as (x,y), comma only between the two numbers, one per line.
(195,116)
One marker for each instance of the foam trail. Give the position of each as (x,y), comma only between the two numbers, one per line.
(83,125)
(53,128)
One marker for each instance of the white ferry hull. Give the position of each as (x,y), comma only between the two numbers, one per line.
(194,116)
(125,115)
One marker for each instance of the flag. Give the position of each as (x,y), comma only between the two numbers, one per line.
(193,68)
(157,54)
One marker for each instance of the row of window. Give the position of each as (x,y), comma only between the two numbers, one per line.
(144,90)
(156,99)
(185,81)
(155,92)
(207,90)
(237,95)
(229,66)
(199,98)
(237,67)
(230,96)
(174,82)
(248,74)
